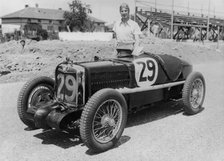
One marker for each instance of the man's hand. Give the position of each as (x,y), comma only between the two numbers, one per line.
(138,50)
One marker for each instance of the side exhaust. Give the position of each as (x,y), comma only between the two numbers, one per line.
(60,119)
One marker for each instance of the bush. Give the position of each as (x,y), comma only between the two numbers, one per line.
(53,36)
(42,33)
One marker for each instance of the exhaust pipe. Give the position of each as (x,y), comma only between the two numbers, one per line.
(51,116)
(58,119)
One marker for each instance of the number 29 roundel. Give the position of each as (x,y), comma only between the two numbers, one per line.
(146,71)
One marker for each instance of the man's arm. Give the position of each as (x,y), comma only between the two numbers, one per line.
(137,48)
(137,32)
(137,41)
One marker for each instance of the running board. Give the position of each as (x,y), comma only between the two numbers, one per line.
(142,89)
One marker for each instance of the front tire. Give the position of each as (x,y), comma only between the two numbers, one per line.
(103,120)
(193,93)
(35,93)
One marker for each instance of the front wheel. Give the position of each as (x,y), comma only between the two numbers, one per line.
(193,93)
(103,120)
(35,93)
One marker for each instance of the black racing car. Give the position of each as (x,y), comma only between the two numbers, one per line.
(96,96)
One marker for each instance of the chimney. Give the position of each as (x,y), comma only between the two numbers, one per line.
(26,5)
(36,5)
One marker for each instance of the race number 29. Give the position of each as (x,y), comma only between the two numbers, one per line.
(70,85)
(146,71)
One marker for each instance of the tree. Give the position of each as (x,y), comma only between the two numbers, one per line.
(77,18)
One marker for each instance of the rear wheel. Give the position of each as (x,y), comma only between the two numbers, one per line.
(103,120)
(193,93)
(34,94)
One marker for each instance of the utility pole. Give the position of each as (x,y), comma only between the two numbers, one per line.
(218,39)
(208,19)
(188,13)
(171,32)
(135,10)
(201,9)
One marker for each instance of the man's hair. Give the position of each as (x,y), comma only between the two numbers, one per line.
(124,5)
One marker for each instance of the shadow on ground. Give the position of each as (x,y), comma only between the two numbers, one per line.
(59,138)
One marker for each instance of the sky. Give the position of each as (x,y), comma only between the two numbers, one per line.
(108,10)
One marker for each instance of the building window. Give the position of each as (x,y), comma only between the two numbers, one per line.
(50,28)
(29,20)
(39,21)
(50,21)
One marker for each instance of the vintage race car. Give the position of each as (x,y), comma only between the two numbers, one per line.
(96,96)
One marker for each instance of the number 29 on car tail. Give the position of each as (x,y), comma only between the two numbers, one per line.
(146,71)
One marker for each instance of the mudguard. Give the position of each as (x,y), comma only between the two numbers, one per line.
(171,65)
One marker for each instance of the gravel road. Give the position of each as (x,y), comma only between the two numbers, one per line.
(159,133)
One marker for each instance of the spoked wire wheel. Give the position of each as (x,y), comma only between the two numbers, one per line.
(35,93)
(103,120)
(193,93)
(197,93)
(107,121)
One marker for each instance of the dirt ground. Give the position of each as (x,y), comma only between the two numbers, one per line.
(41,58)
(158,133)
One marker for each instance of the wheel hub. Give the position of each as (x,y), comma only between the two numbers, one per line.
(195,93)
(106,121)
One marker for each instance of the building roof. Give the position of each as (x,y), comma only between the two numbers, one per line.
(42,13)
(37,13)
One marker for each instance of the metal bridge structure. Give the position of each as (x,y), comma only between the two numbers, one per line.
(178,25)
